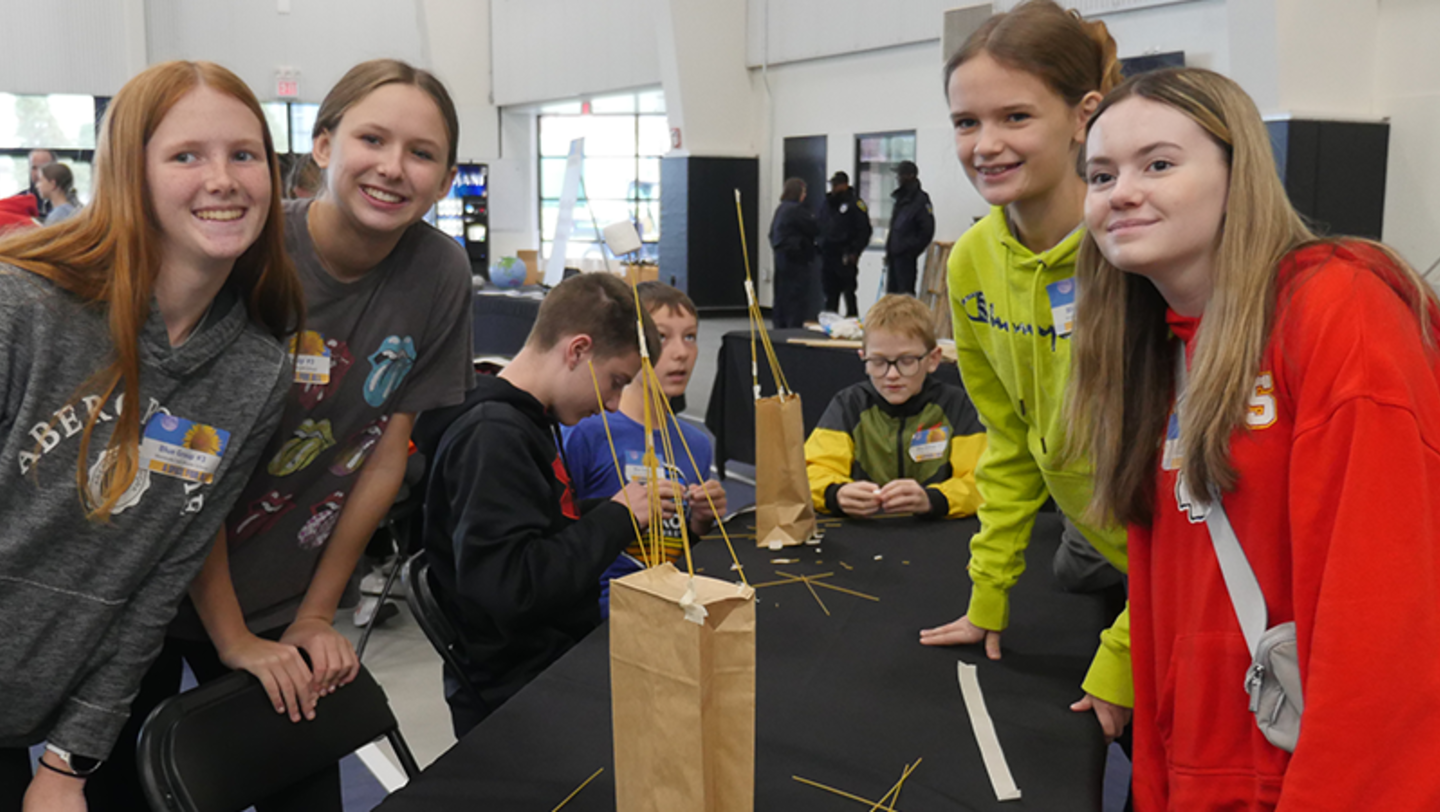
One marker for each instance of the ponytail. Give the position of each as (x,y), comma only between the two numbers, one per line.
(1073,56)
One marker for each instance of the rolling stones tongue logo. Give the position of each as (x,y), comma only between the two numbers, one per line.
(309,440)
(357,449)
(263,514)
(323,516)
(312,394)
(388,367)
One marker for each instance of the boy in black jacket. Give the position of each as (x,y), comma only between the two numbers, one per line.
(515,560)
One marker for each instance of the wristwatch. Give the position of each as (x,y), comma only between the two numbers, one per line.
(79,765)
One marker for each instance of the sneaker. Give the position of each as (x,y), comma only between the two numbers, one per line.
(371,610)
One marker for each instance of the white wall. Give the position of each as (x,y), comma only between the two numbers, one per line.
(71,46)
(1407,90)
(560,49)
(780,31)
(320,39)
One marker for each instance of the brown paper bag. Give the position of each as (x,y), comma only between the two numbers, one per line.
(784,514)
(682,693)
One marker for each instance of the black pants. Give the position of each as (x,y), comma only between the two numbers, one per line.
(794,285)
(116,786)
(838,279)
(900,278)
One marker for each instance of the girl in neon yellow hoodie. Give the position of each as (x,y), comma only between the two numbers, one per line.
(1021,90)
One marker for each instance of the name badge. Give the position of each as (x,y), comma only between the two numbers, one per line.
(1171,457)
(174,446)
(312,363)
(636,471)
(929,443)
(1062,305)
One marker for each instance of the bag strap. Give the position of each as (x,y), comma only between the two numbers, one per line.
(1240,580)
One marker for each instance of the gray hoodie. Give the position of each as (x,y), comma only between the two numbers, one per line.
(84,604)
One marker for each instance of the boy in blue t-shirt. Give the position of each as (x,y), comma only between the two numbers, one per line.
(587,451)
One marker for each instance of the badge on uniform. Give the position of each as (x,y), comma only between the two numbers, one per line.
(929,443)
(312,362)
(174,446)
(844,207)
(1062,305)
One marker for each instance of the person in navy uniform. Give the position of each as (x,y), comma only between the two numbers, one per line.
(844,232)
(912,226)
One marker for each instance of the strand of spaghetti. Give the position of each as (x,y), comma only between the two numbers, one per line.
(781,384)
(694,466)
(896,800)
(619,472)
(846,591)
(662,406)
(577,789)
(895,790)
(843,794)
(816,595)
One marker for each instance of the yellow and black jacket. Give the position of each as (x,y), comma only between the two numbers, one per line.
(934,438)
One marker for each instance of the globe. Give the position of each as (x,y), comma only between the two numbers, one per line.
(508,272)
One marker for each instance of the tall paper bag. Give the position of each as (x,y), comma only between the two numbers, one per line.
(682,693)
(784,514)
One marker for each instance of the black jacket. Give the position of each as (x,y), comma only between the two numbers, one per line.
(844,223)
(793,231)
(514,564)
(912,222)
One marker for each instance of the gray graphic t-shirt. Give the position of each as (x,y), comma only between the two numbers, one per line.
(396,340)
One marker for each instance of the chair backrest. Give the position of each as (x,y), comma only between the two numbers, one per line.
(222,746)
(433,620)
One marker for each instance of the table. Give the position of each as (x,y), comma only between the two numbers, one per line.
(503,318)
(846,700)
(817,373)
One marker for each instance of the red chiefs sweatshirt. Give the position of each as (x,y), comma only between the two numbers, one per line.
(1338,510)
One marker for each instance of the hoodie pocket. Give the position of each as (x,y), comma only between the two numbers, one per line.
(1203,719)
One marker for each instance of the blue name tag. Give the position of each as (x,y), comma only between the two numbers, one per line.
(1062,305)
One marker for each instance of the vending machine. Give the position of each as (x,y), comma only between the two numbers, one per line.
(464,214)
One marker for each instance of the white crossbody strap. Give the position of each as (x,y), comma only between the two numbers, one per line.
(1240,581)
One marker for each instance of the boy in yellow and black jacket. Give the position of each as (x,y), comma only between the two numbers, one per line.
(901,442)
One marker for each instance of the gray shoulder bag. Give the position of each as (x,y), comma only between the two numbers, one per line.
(1273,679)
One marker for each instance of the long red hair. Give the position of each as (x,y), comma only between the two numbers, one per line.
(109,254)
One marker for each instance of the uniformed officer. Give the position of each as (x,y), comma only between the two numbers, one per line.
(844,232)
(912,226)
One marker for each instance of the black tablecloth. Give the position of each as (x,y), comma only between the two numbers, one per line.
(846,699)
(503,320)
(817,373)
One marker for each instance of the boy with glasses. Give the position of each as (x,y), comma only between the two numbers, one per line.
(901,442)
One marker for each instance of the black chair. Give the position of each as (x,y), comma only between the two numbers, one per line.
(222,747)
(437,625)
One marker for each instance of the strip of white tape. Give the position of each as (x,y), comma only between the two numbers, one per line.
(995,764)
(385,771)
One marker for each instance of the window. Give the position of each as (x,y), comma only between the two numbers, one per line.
(876,155)
(61,123)
(625,136)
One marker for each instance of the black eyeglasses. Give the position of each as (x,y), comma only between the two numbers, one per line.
(906,364)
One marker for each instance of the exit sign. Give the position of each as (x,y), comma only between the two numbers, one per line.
(287,88)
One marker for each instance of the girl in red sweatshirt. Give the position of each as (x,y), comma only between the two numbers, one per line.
(1313,405)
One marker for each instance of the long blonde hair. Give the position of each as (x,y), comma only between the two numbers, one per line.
(1123,364)
(109,253)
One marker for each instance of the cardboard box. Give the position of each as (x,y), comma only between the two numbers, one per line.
(534,274)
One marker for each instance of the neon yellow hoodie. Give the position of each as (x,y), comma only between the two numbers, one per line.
(1014,366)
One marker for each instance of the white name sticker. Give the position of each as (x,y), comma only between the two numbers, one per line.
(929,443)
(174,446)
(1062,306)
(312,364)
